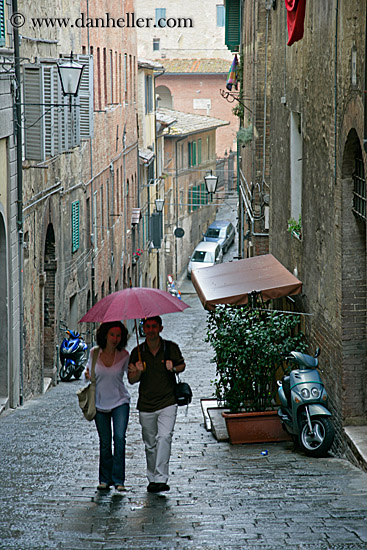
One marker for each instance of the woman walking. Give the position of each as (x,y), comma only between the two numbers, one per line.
(112,403)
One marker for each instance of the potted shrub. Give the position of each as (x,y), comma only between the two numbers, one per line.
(250,346)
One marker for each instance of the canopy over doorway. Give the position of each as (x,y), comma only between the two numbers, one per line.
(232,282)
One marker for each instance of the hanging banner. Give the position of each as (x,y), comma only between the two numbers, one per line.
(295,19)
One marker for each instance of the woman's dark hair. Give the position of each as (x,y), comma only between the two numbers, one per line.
(102,330)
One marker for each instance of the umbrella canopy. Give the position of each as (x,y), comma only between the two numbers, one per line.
(231,283)
(133,303)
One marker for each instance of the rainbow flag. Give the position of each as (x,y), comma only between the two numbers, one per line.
(232,79)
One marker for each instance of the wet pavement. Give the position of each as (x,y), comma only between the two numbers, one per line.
(222,496)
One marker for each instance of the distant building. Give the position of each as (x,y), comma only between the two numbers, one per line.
(189,147)
(182,30)
(193,86)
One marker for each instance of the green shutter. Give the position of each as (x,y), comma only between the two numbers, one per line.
(233,25)
(75,226)
(189,150)
(199,151)
(203,193)
(194,153)
(2,22)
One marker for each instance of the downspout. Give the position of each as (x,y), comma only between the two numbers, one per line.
(92,236)
(365,89)
(176,200)
(336,90)
(268,8)
(18,133)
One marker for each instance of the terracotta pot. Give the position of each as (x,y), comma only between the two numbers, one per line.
(254,427)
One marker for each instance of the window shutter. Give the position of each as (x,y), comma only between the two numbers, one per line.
(233,25)
(2,22)
(194,153)
(50,95)
(75,225)
(199,151)
(85,97)
(34,131)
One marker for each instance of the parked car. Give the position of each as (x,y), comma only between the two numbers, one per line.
(221,232)
(206,254)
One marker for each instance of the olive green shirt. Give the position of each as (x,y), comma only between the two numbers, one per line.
(157,384)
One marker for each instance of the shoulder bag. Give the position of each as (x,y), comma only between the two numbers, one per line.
(87,395)
(183,392)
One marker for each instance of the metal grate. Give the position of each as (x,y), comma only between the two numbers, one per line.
(359,190)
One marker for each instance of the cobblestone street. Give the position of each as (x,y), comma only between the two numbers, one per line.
(221,496)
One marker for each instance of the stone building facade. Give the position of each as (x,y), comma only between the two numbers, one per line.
(318,159)
(253,104)
(10,223)
(80,171)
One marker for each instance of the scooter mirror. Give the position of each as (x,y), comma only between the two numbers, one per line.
(317,352)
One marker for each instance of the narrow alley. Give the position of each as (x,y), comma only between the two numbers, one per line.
(221,496)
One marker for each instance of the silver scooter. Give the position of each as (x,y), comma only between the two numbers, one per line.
(304,401)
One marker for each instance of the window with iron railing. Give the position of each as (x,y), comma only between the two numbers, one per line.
(359,190)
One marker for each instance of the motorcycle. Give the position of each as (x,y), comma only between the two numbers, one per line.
(304,406)
(172,288)
(73,356)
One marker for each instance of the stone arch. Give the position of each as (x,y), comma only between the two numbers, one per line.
(4,353)
(165,97)
(49,303)
(354,284)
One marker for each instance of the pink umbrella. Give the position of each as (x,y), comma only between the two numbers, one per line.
(133,303)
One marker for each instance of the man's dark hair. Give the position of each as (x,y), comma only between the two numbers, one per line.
(156,318)
(102,330)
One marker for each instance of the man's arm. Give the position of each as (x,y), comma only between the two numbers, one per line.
(134,372)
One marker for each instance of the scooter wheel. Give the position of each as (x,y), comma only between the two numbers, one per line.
(318,442)
(66,372)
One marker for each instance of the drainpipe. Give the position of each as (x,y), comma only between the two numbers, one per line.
(18,134)
(176,200)
(336,90)
(365,88)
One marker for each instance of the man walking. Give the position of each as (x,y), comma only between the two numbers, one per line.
(155,370)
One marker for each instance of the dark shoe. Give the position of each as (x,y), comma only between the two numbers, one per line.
(120,488)
(103,487)
(160,487)
(152,487)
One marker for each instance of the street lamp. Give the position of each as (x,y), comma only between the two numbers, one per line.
(70,73)
(159,203)
(211,182)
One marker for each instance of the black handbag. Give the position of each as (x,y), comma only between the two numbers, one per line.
(183,393)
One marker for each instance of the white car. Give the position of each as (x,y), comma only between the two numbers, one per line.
(206,254)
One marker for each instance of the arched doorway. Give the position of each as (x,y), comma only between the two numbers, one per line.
(354,299)
(164,97)
(4,374)
(49,323)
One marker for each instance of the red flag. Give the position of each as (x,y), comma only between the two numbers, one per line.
(295,18)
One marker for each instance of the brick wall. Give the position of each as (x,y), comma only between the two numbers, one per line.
(331,258)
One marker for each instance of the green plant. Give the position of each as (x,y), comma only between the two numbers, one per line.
(239,110)
(250,346)
(245,135)
(295,226)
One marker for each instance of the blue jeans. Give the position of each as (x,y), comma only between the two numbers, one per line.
(112,466)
